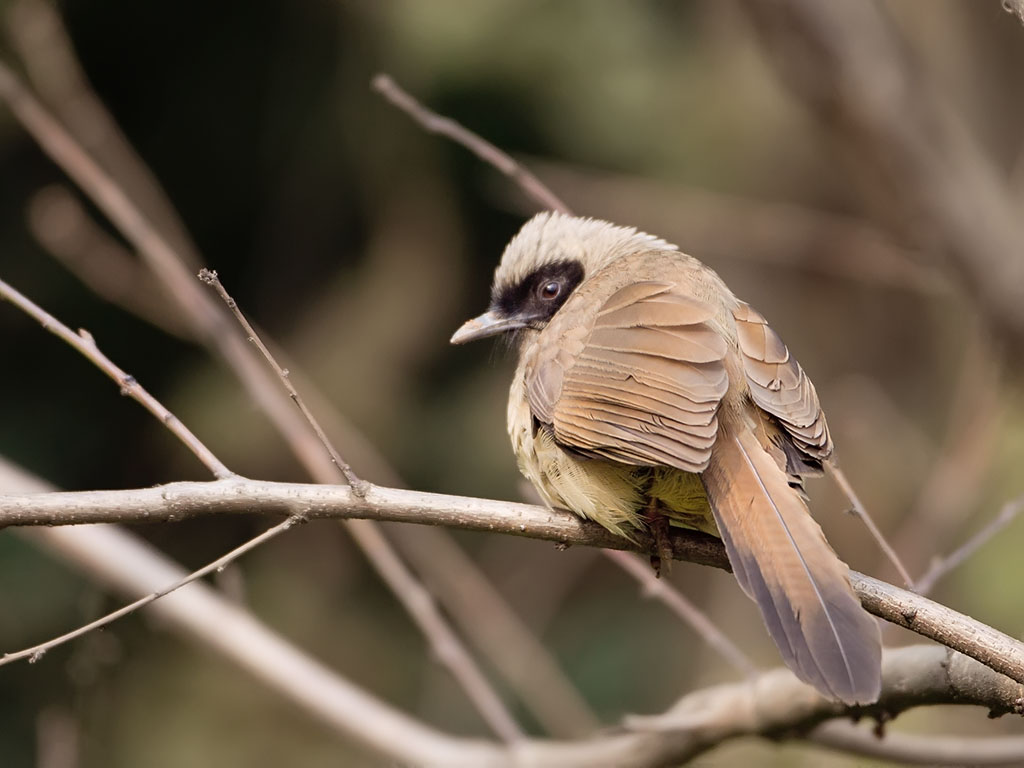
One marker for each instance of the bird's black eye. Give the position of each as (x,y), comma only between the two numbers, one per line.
(550,289)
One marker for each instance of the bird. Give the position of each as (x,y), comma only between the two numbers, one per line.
(647,395)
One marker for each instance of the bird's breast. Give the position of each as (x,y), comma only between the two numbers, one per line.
(612,494)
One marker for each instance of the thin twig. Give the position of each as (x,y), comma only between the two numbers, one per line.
(942,566)
(200,613)
(955,479)
(179,501)
(210,323)
(418,602)
(490,154)
(207,319)
(210,277)
(775,234)
(861,511)
(84,343)
(538,191)
(444,642)
(652,586)
(511,646)
(36,652)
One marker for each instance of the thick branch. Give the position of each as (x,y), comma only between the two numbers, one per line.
(777,704)
(180,501)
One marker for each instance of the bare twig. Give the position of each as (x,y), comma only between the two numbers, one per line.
(480,612)
(212,327)
(956,476)
(84,343)
(446,646)
(36,652)
(652,586)
(918,675)
(57,738)
(490,154)
(495,628)
(210,277)
(942,566)
(538,191)
(848,63)
(418,602)
(207,320)
(178,501)
(861,512)
(61,225)
(779,234)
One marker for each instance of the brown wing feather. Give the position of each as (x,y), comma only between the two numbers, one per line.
(644,385)
(782,561)
(779,386)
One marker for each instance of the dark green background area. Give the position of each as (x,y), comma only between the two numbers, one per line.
(358,243)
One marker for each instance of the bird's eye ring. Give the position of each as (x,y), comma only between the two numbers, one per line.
(550,289)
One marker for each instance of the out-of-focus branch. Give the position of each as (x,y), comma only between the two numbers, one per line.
(418,602)
(480,612)
(60,224)
(660,589)
(775,703)
(179,501)
(201,614)
(490,154)
(920,749)
(213,327)
(210,324)
(490,623)
(912,676)
(836,473)
(125,563)
(845,60)
(43,44)
(943,565)
(957,475)
(774,233)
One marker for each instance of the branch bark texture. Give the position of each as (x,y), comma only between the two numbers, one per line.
(181,501)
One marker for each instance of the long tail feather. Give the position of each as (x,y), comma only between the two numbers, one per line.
(782,561)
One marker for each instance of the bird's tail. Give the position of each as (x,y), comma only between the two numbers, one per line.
(782,561)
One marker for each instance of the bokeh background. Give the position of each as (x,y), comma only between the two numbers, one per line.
(358,243)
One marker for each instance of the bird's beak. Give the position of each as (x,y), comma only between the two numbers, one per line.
(487,324)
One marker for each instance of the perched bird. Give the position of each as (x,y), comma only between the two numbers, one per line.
(647,394)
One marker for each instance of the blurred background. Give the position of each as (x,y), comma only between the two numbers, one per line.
(358,243)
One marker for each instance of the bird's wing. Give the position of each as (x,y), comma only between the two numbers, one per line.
(779,386)
(638,381)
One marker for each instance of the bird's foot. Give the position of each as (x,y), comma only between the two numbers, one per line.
(661,558)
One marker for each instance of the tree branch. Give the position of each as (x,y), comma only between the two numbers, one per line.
(846,61)
(180,501)
(777,704)
(432,122)
(920,749)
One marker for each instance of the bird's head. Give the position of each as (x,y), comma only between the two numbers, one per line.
(543,264)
